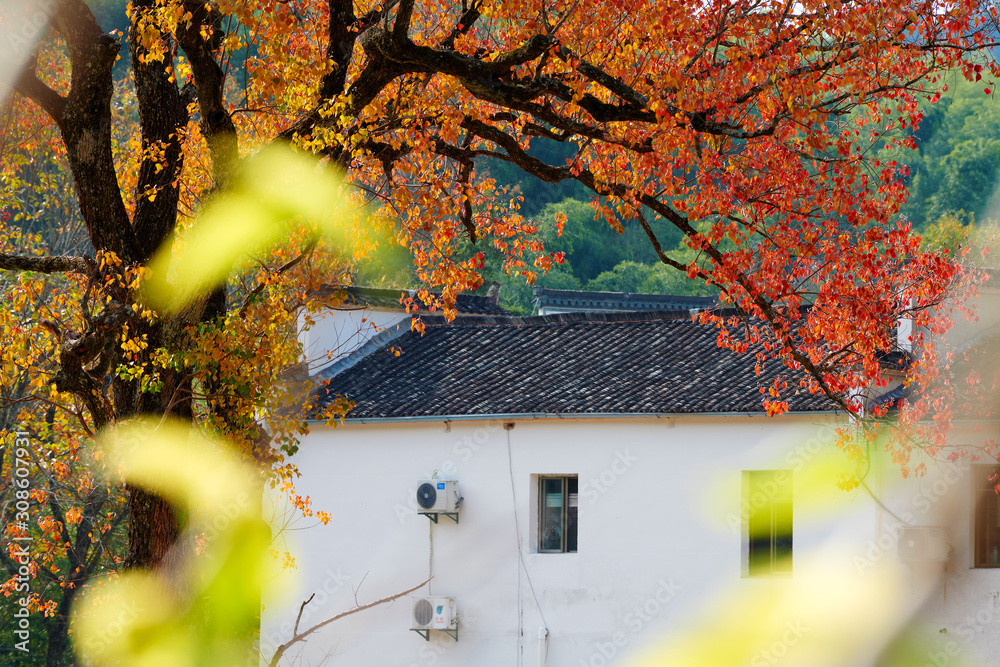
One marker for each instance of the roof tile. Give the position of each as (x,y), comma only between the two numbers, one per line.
(627,363)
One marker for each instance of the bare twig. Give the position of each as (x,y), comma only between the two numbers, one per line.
(298,618)
(360,584)
(301,636)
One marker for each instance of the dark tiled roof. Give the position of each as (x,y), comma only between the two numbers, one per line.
(893,398)
(571,300)
(578,363)
(370,297)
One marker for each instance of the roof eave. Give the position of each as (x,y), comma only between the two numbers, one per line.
(569,415)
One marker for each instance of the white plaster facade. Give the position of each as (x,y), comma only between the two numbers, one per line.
(660,535)
(960,617)
(659,532)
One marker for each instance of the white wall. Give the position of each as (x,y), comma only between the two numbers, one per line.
(986,307)
(335,334)
(961,616)
(659,533)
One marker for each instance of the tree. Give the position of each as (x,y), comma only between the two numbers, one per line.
(953,168)
(743,124)
(68,521)
(568,228)
(637,278)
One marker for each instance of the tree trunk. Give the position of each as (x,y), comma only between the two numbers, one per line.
(152,528)
(58,648)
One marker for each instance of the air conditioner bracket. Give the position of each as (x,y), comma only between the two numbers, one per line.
(426,634)
(433,516)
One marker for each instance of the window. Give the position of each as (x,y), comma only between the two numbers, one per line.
(767,522)
(558,500)
(987,528)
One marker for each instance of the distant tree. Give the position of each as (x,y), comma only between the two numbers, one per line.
(959,235)
(625,277)
(948,233)
(536,193)
(638,278)
(966,178)
(592,244)
(954,167)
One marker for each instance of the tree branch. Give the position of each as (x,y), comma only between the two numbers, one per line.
(282,269)
(401,27)
(464,25)
(341,35)
(302,608)
(216,122)
(58,264)
(162,113)
(86,129)
(301,636)
(29,85)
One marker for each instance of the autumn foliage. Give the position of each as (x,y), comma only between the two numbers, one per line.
(749,125)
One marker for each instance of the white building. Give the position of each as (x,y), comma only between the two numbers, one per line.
(620,488)
(364,317)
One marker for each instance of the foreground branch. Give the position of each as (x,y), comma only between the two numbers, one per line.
(300,636)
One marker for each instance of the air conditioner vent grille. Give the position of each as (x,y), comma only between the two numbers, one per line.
(423,612)
(426,496)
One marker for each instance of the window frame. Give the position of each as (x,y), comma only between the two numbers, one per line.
(776,506)
(983,491)
(566,525)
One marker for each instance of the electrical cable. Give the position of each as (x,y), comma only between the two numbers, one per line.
(520,551)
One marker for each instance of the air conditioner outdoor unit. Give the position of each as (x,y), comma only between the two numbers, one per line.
(437,496)
(434,613)
(922,544)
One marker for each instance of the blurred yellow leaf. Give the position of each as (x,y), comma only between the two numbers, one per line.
(204,608)
(273,188)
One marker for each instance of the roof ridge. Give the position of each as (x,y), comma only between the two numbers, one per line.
(596,317)
(391,298)
(623,296)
